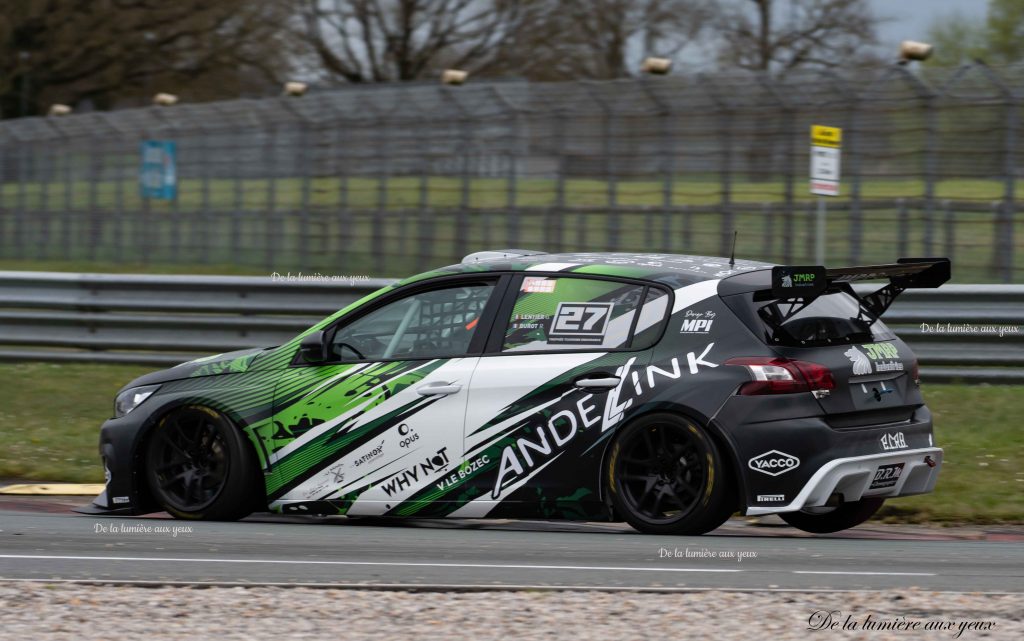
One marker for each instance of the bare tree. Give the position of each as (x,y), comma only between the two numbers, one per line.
(386,40)
(599,39)
(104,51)
(780,35)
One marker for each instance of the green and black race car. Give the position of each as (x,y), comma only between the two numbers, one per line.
(667,391)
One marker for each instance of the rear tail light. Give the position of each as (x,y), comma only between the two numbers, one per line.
(783,376)
(915,374)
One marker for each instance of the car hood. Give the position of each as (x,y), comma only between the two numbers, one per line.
(228,363)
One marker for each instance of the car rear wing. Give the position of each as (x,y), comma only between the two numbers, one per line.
(810,281)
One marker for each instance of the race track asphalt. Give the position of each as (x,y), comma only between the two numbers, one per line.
(50,543)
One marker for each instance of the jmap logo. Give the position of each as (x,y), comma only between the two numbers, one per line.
(774,463)
(894,441)
(876,353)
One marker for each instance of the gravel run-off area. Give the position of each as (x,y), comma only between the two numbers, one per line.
(41,611)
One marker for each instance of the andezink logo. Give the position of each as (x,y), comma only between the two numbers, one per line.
(774,463)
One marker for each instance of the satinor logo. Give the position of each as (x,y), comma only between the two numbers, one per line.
(774,463)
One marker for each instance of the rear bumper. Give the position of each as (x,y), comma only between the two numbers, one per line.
(852,477)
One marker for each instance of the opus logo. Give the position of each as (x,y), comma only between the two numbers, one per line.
(774,463)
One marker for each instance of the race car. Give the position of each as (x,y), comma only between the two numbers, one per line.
(667,391)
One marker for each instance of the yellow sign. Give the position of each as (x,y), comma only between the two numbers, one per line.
(822,136)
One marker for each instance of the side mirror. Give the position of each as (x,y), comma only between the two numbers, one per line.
(312,348)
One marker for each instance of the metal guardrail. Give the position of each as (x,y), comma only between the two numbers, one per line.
(163,320)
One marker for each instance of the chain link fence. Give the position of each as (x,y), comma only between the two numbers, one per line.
(387,180)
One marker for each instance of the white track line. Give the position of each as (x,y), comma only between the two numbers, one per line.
(864,573)
(490,566)
(449,587)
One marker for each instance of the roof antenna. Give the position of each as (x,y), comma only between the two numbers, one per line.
(732,257)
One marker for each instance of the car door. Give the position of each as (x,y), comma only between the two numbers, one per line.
(556,375)
(367,431)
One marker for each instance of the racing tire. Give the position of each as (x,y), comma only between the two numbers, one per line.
(665,475)
(842,517)
(199,466)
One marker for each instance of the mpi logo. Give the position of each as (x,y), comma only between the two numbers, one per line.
(774,463)
(696,326)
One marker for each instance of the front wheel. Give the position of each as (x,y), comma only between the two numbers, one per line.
(199,467)
(666,476)
(829,520)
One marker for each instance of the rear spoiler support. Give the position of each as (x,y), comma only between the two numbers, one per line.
(810,281)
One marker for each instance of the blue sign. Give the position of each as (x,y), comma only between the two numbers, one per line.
(158,175)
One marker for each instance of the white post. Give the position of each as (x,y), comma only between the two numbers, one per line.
(819,246)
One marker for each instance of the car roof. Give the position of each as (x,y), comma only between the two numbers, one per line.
(675,270)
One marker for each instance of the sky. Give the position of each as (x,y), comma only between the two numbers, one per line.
(910,19)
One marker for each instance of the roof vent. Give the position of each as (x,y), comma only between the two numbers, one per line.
(492,254)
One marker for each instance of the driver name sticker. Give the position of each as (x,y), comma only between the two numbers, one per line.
(538,285)
(580,323)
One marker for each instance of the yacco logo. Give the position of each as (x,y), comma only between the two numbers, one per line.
(774,463)
(405,479)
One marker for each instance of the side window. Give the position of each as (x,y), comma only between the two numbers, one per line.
(576,313)
(431,324)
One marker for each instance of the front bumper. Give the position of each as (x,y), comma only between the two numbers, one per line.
(852,478)
(124,493)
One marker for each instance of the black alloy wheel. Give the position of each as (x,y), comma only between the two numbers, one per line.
(198,466)
(666,476)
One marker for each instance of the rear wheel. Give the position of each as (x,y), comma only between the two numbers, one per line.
(666,476)
(199,467)
(828,520)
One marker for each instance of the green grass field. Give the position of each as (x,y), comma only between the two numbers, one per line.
(403,225)
(52,414)
(405,192)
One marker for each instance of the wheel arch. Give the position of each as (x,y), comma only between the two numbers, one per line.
(715,432)
(143,496)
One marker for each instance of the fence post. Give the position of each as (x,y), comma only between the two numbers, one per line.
(725,136)
(930,166)
(949,229)
(610,182)
(1005,227)
(556,229)
(20,215)
(903,228)
(852,151)
(666,162)
(269,235)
